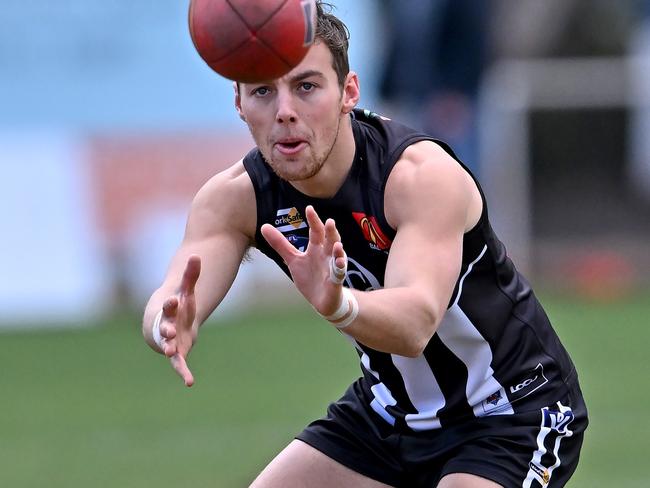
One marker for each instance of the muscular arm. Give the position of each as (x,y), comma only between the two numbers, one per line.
(220,227)
(431,202)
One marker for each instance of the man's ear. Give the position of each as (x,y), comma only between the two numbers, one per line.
(351,92)
(236,87)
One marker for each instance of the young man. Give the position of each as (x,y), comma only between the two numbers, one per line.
(386,235)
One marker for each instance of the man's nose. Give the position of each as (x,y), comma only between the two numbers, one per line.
(286,111)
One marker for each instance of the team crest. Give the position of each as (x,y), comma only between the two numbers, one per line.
(558,421)
(360,278)
(494,398)
(495,403)
(372,232)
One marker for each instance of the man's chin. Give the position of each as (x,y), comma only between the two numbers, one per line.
(294,176)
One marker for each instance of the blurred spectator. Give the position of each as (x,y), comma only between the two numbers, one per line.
(584,28)
(436,53)
(561,28)
(581,29)
(529,28)
(639,50)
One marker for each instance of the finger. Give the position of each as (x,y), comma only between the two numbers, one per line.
(169,347)
(316,227)
(167,327)
(190,275)
(279,243)
(331,235)
(170,307)
(167,330)
(338,264)
(339,256)
(180,366)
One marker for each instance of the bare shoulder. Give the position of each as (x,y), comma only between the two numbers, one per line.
(426,177)
(426,159)
(231,182)
(225,202)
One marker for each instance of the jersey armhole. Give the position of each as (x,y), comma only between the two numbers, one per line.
(254,174)
(394,157)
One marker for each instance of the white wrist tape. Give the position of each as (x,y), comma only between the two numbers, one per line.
(354,305)
(155,330)
(337,275)
(344,307)
(347,311)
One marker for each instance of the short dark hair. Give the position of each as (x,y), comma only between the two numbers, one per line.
(335,35)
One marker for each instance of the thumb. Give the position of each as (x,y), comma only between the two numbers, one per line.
(180,366)
(190,275)
(170,307)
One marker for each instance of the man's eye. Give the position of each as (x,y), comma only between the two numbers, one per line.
(307,86)
(261,91)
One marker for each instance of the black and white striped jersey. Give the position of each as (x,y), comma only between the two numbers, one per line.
(495,351)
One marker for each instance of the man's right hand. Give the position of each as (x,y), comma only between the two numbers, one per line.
(310,270)
(177,326)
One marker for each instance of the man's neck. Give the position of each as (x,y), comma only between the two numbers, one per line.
(335,170)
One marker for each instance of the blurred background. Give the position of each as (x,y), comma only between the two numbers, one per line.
(110,122)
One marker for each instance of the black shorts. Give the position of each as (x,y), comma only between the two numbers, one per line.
(536,449)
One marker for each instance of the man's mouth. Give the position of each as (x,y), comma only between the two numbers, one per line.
(289,147)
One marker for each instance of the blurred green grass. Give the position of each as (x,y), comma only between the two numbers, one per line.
(95,407)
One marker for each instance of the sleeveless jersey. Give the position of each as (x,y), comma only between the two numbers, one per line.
(494,353)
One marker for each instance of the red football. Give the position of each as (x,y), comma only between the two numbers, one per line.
(252,40)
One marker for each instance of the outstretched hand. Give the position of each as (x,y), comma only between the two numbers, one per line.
(177,327)
(310,270)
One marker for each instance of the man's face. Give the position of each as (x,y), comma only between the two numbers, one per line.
(295,119)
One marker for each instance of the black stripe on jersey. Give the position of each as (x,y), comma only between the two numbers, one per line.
(452,379)
(503,312)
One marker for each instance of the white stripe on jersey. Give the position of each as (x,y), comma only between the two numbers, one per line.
(423,391)
(469,270)
(291,228)
(383,396)
(457,333)
(462,338)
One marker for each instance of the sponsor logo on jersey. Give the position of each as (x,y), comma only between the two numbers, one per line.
(528,384)
(289,219)
(298,242)
(372,232)
(540,471)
